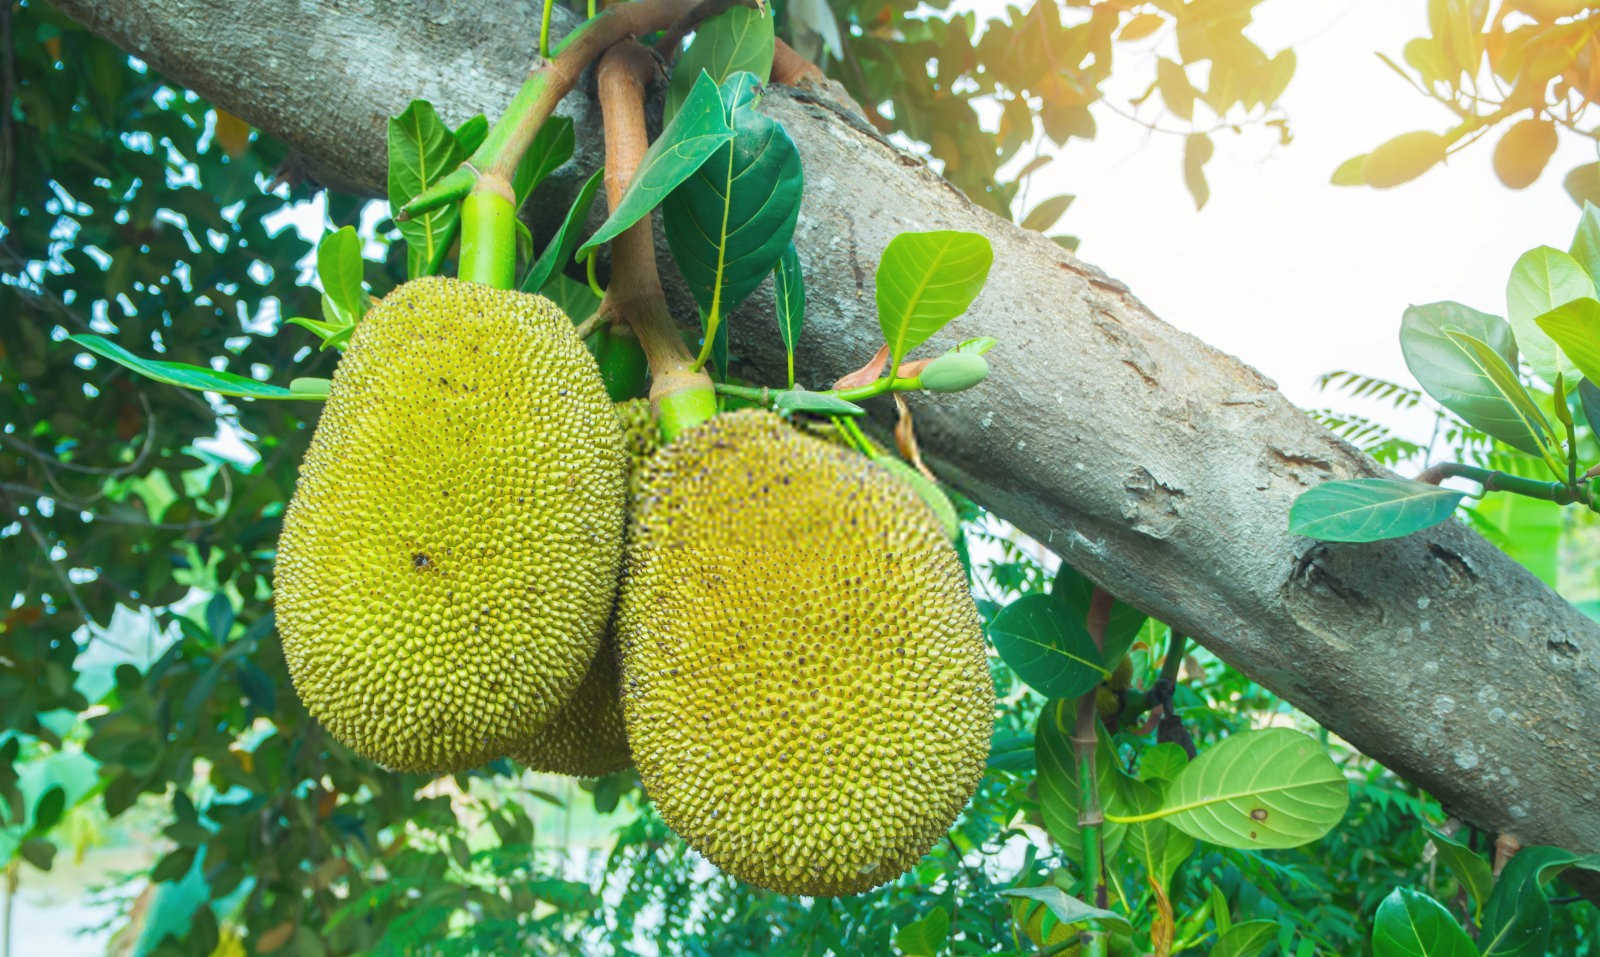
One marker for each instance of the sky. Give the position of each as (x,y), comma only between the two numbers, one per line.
(1282,269)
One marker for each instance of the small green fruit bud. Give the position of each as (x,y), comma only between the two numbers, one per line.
(955,371)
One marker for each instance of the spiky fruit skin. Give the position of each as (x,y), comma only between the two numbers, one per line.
(449,557)
(805,683)
(586,738)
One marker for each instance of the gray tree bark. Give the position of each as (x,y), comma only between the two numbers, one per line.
(1156,465)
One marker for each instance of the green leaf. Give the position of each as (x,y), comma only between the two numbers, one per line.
(470,135)
(38,852)
(1056,774)
(1255,790)
(788,401)
(1075,593)
(1590,397)
(924,281)
(789,296)
(1543,279)
(1069,910)
(48,809)
(310,387)
(1517,917)
(1045,215)
(340,268)
(926,936)
(551,147)
(1047,646)
(738,41)
(1162,762)
(1586,242)
(1503,379)
(1411,924)
(1453,376)
(182,374)
(1368,510)
(698,130)
(565,241)
(1575,328)
(1159,847)
(422,151)
(1245,939)
(729,224)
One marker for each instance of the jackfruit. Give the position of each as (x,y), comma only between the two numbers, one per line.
(805,684)
(585,738)
(450,555)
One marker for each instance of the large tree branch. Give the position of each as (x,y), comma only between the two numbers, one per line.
(1160,467)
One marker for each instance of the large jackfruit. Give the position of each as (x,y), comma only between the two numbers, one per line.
(805,683)
(586,738)
(450,556)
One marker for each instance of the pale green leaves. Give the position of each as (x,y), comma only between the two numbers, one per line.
(189,376)
(924,280)
(1069,910)
(1409,924)
(1255,790)
(1543,279)
(1575,328)
(1058,784)
(740,40)
(1368,510)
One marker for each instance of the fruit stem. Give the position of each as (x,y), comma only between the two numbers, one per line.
(489,234)
(682,395)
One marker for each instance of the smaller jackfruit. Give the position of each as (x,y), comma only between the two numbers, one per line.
(586,738)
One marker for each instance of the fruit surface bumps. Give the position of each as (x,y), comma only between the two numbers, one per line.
(805,683)
(450,555)
(585,738)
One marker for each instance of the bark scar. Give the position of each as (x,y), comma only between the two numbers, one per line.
(1457,565)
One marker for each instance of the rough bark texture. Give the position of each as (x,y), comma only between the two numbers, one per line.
(1155,464)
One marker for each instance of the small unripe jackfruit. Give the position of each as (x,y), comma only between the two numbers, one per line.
(448,561)
(586,737)
(805,684)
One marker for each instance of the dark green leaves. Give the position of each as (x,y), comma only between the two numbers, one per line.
(1516,920)
(925,280)
(1411,924)
(566,238)
(1058,782)
(1047,647)
(1461,378)
(1367,510)
(344,297)
(1469,868)
(551,147)
(730,222)
(739,40)
(789,295)
(697,131)
(926,936)
(185,375)
(422,151)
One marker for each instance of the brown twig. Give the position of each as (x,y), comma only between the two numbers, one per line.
(792,69)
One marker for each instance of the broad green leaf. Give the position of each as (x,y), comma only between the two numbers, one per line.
(182,374)
(48,809)
(422,151)
(924,281)
(1412,924)
(1255,790)
(1367,510)
(1047,646)
(729,224)
(1162,762)
(698,130)
(926,936)
(1245,939)
(1517,917)
(738,41)
(1159,847)
(562,244)
(1586,242)
(1057,778)
(576,299)
(1076,593)
(1543,279)
(1069,910)
(1453,376)
(340,268)
(470,135)
(551,147)
(1575,329)
(789,296)
(1503,379)
(325,331)
(1590,397)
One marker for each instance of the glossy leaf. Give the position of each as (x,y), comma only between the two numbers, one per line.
(1069,910)
(1503,379)
(1541,280)
(737,41)
(1412,924)
(925,280)
(182,374)
(1159,847)
(340,267)
(730,222)
(1245,939)
(1256,790)
(1047,647)
(789,299)
(1575,329)
(1517,917)
(471,134)
(1368,510)
(565,241)
(1449,373)
(1058,782)
(1076,593)
(1162,762)
(698,130)
(422,151)
(926,936)
(551,147)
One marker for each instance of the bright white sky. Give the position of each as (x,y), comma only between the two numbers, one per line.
(1282,269)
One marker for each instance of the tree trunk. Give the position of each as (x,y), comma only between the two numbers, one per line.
(1156,465)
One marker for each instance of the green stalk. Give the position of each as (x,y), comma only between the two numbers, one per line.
(1492,481)
(680,411)
(488,236)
